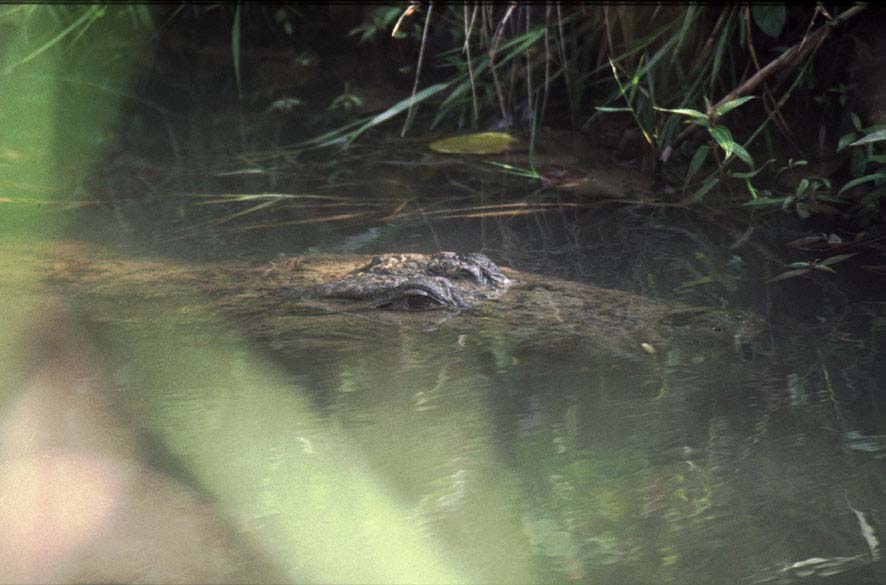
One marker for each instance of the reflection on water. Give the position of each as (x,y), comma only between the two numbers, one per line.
(357,450)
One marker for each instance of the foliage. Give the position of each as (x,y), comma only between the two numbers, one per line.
(511,63)
(868,164)
(346,101)
(807,268)
(515,65)
(380,19)
(720,136)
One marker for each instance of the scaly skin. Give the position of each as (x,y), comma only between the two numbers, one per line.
(419,282)
(303,296)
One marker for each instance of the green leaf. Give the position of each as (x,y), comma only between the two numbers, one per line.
(741,153)
(856,121)
(699,193)
(835,259)
(769,18)
(881,175)
(823,267)
(723,137)
(753,173)
(845,140)
(731,105)
(752,190)
(878,136)
(789,274)
(610,109)
(347,134)
(697,160)
(765,202)
(858,162)
(368,32)
(803,186)
(512,170)
(683,112)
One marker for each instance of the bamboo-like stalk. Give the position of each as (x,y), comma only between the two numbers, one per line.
(529,103)
(495,40)
(564,62)
(418,68)
(544,101)
(467,50)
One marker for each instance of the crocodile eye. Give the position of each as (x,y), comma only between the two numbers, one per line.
(419,302)
(469,274)
(681,318)
(412,300)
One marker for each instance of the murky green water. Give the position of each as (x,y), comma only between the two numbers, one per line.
(359,453)
(153,431)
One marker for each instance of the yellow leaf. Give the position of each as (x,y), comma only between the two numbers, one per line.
(482,143)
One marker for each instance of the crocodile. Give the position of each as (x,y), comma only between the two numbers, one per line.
(307,297)
(525,304)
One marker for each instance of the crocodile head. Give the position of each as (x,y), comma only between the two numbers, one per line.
(420,282)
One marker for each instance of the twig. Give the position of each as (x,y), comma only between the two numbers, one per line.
(565,63)
(529,104)
(544,101)
(495,40)
(467,50)
(421,60)
(515,26)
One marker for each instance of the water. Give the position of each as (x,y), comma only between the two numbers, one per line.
(355,451)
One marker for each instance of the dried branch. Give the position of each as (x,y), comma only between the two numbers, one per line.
(789,59)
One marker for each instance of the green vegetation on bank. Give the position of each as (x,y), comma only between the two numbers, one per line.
(713,96)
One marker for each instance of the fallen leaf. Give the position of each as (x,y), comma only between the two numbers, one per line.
(482,143)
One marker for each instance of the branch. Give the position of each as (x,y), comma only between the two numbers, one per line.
(807,45)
